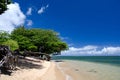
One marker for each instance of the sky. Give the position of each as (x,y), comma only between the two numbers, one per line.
(87,26)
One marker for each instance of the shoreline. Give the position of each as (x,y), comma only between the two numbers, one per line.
(82,70)
(67,77)
(53,73)
(36,69)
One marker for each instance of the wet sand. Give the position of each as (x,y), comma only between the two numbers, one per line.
(53,73)
(80,70)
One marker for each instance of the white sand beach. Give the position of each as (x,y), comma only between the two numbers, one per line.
(35,70)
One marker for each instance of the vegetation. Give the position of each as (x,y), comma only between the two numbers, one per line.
(3,5)
(4,36)
(6,40)
(12,44)
(45,41)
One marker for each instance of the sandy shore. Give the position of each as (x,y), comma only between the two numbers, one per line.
(53,73)
(80,70)
(34,69)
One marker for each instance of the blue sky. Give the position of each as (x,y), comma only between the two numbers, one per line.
(88,26)
(80,22)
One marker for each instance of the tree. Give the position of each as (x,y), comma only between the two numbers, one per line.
(12,44)
(6,40)
(46,41)
(4,36)
(55,47)
(3,5)
(19,35)
(32,48)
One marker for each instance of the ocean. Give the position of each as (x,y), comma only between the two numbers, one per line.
(111,60)
(89,67)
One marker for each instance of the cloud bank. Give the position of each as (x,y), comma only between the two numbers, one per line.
(42,9)
(12,18)
(92,50)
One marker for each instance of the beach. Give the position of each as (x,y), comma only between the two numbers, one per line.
(82,70)
(36,69)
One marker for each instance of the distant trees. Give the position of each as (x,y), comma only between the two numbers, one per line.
(3,5)
(45,41)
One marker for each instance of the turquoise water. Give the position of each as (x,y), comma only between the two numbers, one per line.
(112,60)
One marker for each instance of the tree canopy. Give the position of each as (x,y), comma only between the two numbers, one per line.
(45,41)
(12,44)
(6,40)
(4,36)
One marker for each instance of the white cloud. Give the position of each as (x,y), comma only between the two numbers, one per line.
(42,9)
(29,22)
(12,18)
(92,50)
(29,12)
(90,47)
(111,50)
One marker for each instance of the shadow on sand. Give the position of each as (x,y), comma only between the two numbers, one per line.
(23,64)
(29,64)
(5,71)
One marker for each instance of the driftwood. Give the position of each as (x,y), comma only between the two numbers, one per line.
(43,56)
(7,59)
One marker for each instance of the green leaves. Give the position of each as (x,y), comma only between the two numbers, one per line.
(46,41)
(32,48)
(6,40)
(4,36)
(12,44)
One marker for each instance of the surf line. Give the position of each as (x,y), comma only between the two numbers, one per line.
(66,75)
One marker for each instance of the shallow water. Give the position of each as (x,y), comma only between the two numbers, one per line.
(81,70)
(110,60)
